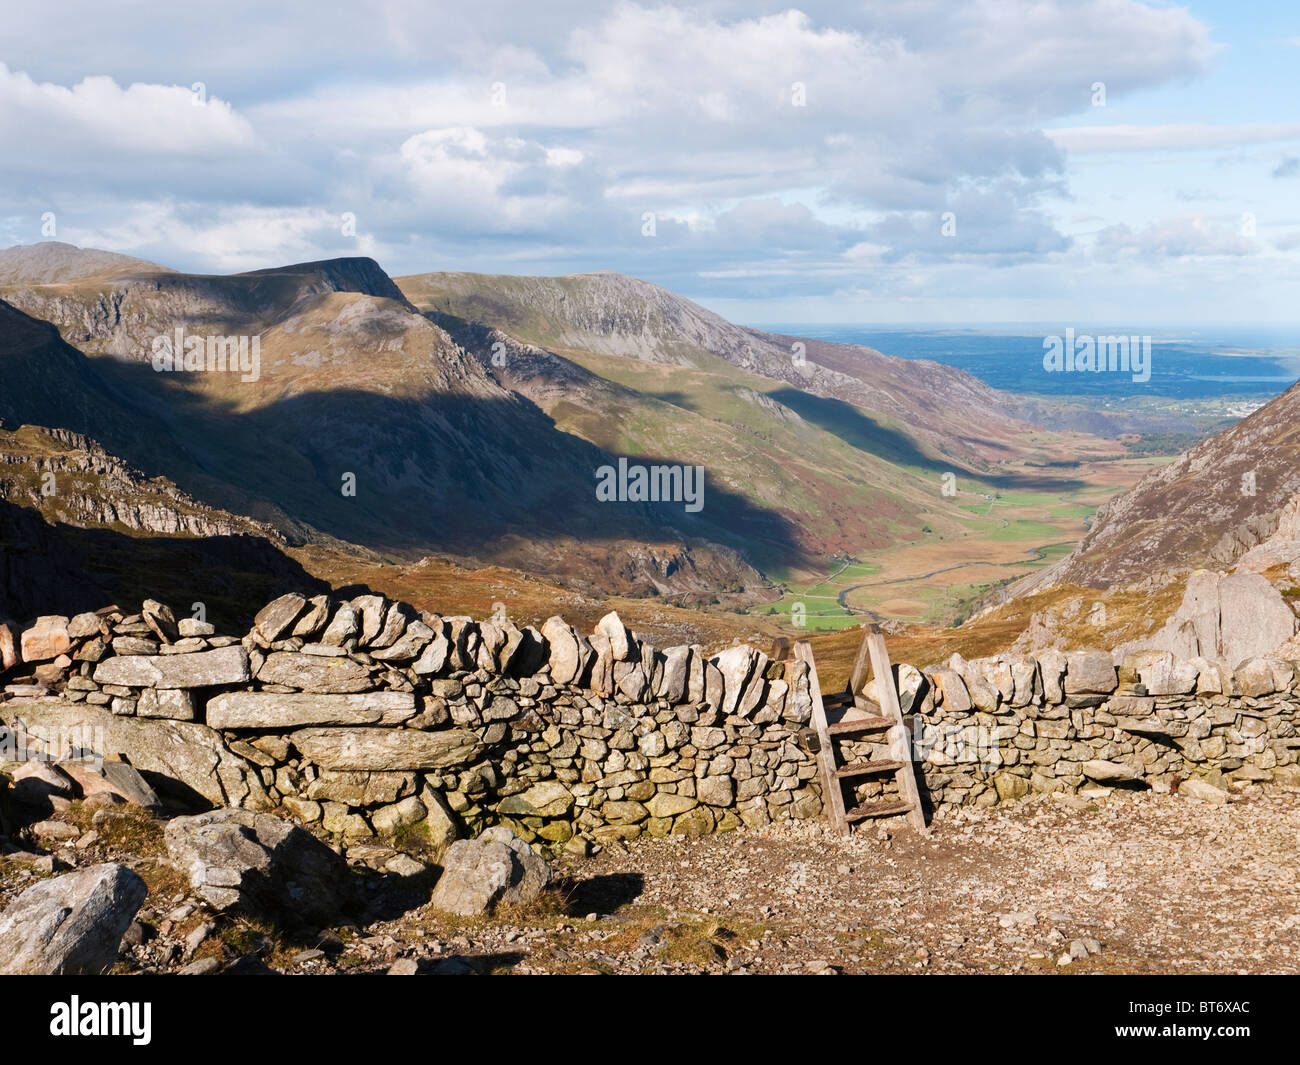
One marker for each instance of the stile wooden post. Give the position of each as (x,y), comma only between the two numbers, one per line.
(832,794)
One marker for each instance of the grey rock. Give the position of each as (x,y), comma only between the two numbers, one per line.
(275,620)
(258,864)
(72,924)
(621,644)
(395,621)
(736,664)
(84,625)
(1090,672)
(266,710)
(417,635)
(360,748)
(205,669)
(1162,673)
(1264,676)
(161,620)
(1107,772)
(311,673)
(175,704)
(184,751)
(361,789)
(675,676)
(956,698)
(201,967)
(313,617)
(1051,668)
(373,609)
(388,819)
(1195,788)
(434,657)
(345,625)
(566,659)
(481,875)
(134,645)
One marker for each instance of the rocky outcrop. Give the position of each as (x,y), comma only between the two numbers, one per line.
(1224,618)
(70,925)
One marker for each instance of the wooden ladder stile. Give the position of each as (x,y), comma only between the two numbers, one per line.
(899,745)
(832,793)
(857,715)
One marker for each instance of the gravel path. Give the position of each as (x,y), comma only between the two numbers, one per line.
(1134,882)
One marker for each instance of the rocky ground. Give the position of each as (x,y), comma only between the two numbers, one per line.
(1131,882)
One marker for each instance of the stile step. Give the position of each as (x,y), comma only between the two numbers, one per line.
(866,769)
(876,809)
(858,724)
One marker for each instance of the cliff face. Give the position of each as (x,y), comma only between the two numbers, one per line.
(71,479)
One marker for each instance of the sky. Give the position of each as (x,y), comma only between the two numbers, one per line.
(921,161)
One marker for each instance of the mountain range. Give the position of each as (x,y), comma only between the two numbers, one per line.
(466,416)
(453,424)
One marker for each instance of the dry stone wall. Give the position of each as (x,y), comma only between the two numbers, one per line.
(366,717)
(996,729)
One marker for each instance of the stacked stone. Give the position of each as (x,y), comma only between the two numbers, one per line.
(366,717)
(64,655)
(996,729)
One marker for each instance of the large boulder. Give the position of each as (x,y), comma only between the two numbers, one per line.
(190,754)
(1254,619)
(72,924)
(261,865)
(494,870)
(1226,619)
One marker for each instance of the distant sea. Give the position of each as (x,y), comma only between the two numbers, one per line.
(1186,363)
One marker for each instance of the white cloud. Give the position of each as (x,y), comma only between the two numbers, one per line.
(1086,140)
(462,139)
(1185,236)
(98,114)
